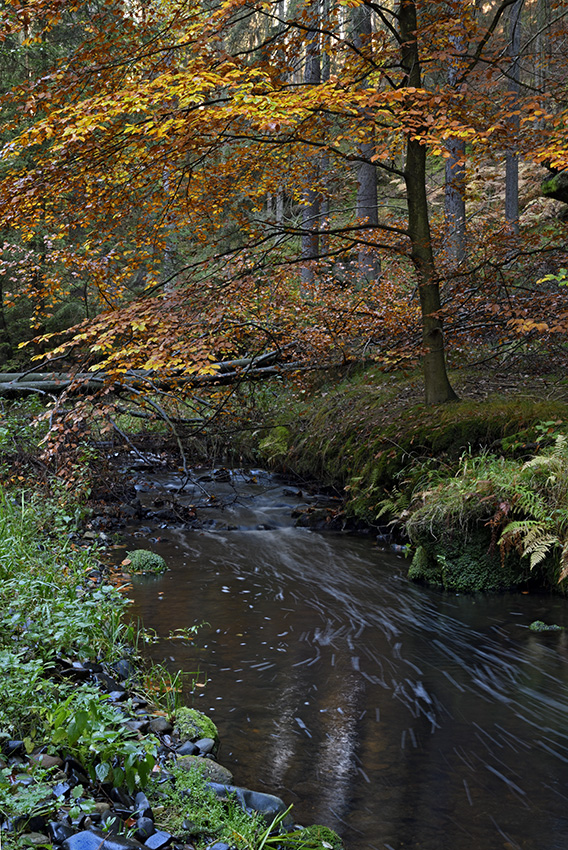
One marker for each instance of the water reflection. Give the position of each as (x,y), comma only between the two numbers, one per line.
(401,717)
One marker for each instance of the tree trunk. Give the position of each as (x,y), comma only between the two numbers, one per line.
(512,157)
(437,386)
(367,210)
(455,172)
(311,203)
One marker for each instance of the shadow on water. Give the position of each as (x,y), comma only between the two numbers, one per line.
(399,716)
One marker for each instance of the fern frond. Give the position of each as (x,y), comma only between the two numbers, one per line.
(518,529)
(540,548)
(533,538)
(563,563)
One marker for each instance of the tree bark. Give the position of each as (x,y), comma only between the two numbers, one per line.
(512,156)
(311,204)
(437,387)
(367,210)
(455,172)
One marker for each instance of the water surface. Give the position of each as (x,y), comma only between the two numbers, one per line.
(399,716)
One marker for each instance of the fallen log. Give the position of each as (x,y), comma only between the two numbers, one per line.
(228,372)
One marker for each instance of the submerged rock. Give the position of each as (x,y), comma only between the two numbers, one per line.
(539,626)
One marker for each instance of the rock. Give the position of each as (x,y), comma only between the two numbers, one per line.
(211,769)
(539,626)
(109,684)
(192,724)
(266,805)
(160,726)
(137,725)
(218,845)
(33,823)
(46,760)
(58,832)
(13,748)
(205,745)
(556,187)
(113,824)
(101,808)
(61,789)
(97,840)
(35,839)
(144,561)
(142,806)
(144,828)
(124,669)
(123,798)
(188,748)
(85,840)
(158,840)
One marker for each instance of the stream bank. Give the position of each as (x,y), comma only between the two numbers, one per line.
(90,757)
(453,481)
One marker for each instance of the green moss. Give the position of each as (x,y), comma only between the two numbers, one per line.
(144,561)
(466,562)
(425,567)
(192,725)
(319,838)
(274,447)
(539,626)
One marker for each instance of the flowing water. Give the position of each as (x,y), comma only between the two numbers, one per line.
(401,717)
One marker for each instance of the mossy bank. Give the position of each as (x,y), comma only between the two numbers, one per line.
(458,481)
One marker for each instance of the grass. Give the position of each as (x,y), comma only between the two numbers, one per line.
(192,808)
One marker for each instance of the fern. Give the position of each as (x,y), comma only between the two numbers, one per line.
(545,506)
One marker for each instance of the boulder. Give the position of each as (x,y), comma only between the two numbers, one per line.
(556,187)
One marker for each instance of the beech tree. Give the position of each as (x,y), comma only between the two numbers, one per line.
(175,125)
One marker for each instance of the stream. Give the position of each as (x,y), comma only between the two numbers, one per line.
(399,716)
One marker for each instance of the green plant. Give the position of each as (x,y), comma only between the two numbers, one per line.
(25,794)
(275,446)
(188,799)
(166,688)
(24,691)
(541,497)
(87,726)
(144,561)
(539,626)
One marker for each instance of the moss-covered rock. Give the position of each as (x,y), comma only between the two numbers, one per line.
(191,725)
(144,561)
(465,560)
(211,770)
(318,837)
(556,187)
(539,626)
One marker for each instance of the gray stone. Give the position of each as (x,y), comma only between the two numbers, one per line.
(188,748)
(85,840)
(160,726)
(205,745)
(46,760)
(144,828)
(35,839)
(158,840)
(211,770)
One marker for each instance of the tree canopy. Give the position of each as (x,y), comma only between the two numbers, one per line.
(210,180)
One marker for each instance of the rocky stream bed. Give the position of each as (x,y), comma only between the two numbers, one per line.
(79,813)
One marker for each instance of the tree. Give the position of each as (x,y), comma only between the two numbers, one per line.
(230,103)
(512,156)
